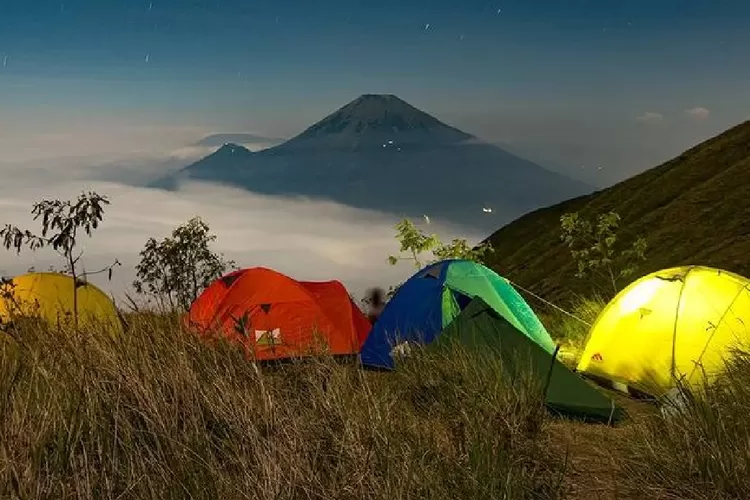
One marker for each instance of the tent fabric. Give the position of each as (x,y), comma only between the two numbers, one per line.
(334,299)
(433,297)
(276,317)
(482,328)
(50,296)
(675,324)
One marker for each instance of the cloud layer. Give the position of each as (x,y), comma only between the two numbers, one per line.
(306,239)
(650,116)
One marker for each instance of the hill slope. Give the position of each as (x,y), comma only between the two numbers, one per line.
(379,152)
(694,209)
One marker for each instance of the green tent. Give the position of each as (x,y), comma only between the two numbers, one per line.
(433,297)
(481,327)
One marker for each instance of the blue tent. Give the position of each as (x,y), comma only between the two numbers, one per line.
(432,298)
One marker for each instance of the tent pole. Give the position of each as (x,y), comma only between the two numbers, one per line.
(549,372)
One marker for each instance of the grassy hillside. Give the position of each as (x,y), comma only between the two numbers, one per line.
(692,209)
(159,414)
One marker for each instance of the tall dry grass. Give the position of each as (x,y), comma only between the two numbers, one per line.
(698,448)
(159,414)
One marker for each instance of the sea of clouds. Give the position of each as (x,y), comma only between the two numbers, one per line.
(306,239)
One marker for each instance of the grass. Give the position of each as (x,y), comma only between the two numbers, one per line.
(700,448)
(570,330)
(157,413)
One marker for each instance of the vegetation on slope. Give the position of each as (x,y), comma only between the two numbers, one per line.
(692,209)
(160,414)
(699,448)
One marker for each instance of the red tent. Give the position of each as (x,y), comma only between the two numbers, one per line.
(276,317)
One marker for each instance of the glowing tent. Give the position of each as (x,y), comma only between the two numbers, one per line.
(50,296)
(275,316)
(678,323)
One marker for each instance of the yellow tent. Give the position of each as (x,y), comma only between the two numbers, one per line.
(678,323)
(50,296)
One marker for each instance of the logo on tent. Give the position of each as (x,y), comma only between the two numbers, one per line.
(268,337)
(402,349)
(597,357)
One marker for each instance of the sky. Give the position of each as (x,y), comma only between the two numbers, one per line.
(579,83)
(101,92)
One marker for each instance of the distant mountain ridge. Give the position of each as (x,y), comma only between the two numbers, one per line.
(379,152)
(218,140)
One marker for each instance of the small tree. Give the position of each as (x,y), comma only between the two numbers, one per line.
(596,251)
(61,222)
(177,269)
(415,242)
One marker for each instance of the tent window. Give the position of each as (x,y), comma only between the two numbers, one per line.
(461,299)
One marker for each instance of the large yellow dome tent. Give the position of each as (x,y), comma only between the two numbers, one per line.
(678,323)
(50,297)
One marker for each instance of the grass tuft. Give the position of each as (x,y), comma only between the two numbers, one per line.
(698,448)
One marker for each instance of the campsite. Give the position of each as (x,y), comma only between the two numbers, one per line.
(456,390)
(246,382)
(357,250)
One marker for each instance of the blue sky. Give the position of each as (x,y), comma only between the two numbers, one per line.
(569,82)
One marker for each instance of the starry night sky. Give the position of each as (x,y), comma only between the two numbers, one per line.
(547,75)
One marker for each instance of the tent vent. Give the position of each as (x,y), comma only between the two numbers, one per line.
(265,307)
(230,279)
(433,272)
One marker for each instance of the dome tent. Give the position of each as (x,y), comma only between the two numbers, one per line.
(675,324)
(50,296)
(481,328)
(277,317)
(433,297)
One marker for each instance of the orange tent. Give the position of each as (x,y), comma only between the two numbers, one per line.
(276,317)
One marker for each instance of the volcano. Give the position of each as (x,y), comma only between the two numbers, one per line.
(379,152)
(371,121)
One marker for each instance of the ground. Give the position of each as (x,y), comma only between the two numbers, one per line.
(595,452)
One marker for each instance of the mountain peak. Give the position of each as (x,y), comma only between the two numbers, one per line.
(371,120)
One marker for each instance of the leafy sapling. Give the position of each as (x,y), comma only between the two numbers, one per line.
(175,270)
(62,221)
